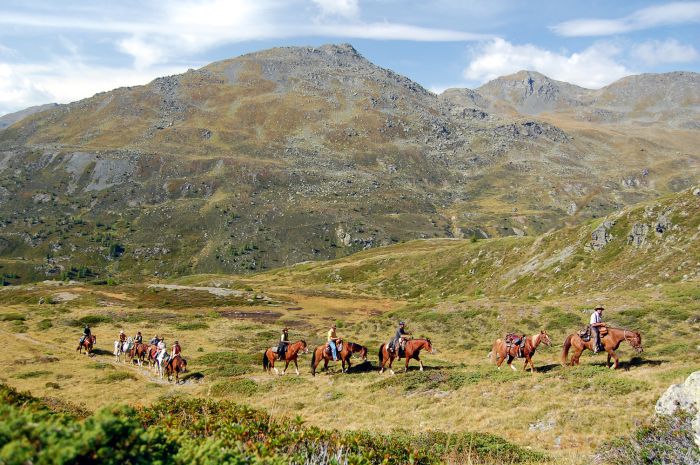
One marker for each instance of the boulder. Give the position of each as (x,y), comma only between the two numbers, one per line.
(685,396)
(600,236)
(638,234)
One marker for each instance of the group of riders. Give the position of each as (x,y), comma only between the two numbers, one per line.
(125,344)
(396,343)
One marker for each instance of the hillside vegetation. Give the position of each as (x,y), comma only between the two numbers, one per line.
(300,153)
(461,293)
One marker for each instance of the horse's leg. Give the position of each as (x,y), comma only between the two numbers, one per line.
(296,367)
(607,364)
(272,365)
(528,360)
(420,362)
(325,364)
(286,365)
(614,356)
(391,362)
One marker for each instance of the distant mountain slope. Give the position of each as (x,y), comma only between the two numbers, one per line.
(301,153)
(11,118)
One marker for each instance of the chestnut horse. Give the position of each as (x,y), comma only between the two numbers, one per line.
(500,350)
(344,355)
(176,365)
(611,341)
(412,350)
(87,344)
(139,352)
(290,355)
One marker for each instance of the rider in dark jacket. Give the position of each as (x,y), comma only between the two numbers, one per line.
(86,333)
(284,342)
(401,333)
(138,339)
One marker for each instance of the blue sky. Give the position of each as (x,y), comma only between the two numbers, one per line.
(63,51)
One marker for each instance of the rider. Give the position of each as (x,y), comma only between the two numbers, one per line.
(155,340)
(138,339)
(161,349)
(401,334)
(284,342)
(596,323)
(122,336)
(332,340)
(175,352)
(86,333)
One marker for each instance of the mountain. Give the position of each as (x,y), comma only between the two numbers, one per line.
(11,118)
(301,153)
(671,98)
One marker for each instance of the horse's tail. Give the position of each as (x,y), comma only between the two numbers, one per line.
(313,363)
(381,354)
(565,352)
(266,362)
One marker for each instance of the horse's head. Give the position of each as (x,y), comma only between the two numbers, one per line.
(544,338)
(304,349)
(635,340)
(363,352)
(429,345)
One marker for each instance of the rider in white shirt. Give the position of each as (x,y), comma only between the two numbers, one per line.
(596,323)
(161,350)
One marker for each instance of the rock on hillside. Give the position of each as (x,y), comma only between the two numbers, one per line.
(684,396)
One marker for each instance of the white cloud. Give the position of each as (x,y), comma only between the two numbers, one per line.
(656,52)
(594,67)
(645,18)
(345,8)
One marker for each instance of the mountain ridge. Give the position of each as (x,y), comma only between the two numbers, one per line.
(304,153)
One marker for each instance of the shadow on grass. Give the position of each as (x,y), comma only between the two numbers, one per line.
(633,362)
(364,367)
(547,368)
(192,376)
(96,351)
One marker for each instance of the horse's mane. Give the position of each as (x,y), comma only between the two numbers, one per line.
(623,329)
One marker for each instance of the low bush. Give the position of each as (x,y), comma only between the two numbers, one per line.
(191,326)
(115,377)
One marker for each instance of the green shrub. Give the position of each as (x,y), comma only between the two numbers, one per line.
(191,326)
(241,386)
(12,317)
(94,319)
(115,377)
(32,374)
(43,325)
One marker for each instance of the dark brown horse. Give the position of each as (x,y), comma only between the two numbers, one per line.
(150,356)
(501,352)
(344,355)
(176,365)
(87,344)
(412,350)
(138,352)
(290,355)
(610,341)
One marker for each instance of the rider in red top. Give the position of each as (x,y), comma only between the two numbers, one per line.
(176,350)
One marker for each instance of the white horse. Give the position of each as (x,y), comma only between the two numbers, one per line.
(122,348)
(160,369)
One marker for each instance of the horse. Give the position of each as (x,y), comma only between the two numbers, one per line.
(87,344)
(500,350)
(290,355)
(138,351)
(176,365)
(151,352)
(611,341)
(411,350)
(121,348)
(349,348)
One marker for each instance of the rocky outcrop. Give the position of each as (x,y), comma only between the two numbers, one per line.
(638,234)
(600,237)
(685,396)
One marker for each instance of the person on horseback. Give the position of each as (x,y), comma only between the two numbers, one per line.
(176,351)
(161,349)
(122,336)
(284,342)
(332,341)
(399,338)
(596,323)
(86,333)
(138,339)
(155,340)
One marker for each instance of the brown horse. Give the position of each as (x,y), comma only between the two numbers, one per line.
(139,352)
(501,352)
(290,355)
(412,350)
(151,352)
(611,341)
(87,344)
(176,365)
(344,355)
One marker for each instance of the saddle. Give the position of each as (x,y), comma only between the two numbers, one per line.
(513,340)
(586,333)
(338,347)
